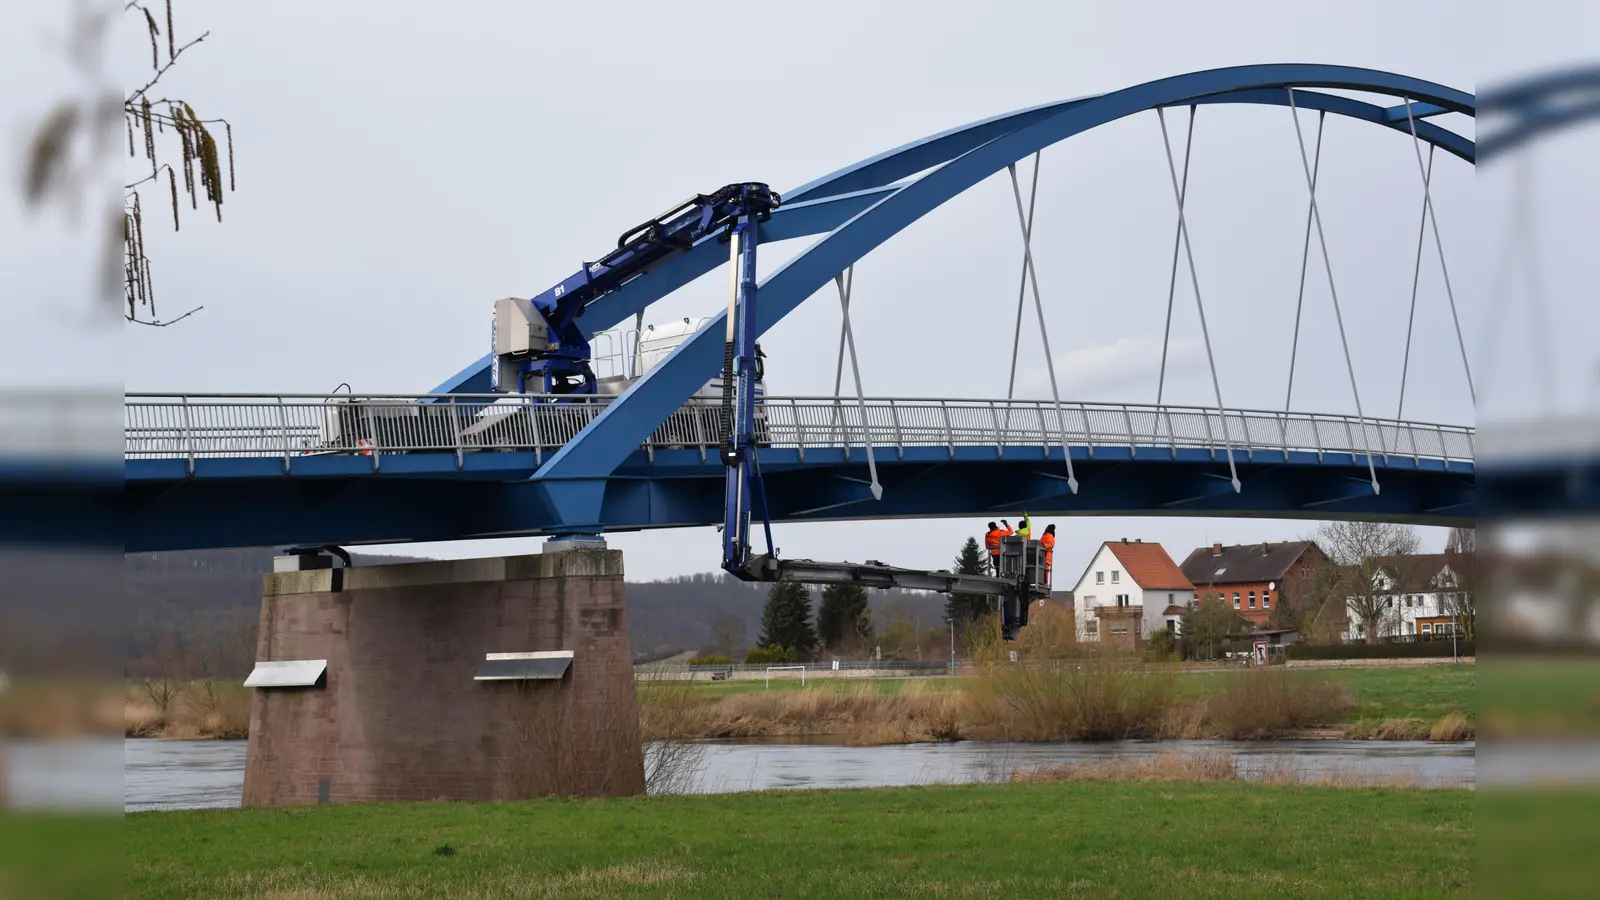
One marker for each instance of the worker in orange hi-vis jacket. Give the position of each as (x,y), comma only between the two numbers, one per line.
(991,543)
(1047,541)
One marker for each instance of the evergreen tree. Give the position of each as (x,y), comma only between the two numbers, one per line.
(966,608)
(1212,624)
(842,618)
(1287,612)
(786,619)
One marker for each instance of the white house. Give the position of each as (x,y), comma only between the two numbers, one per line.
(1129,590)
(1419,595)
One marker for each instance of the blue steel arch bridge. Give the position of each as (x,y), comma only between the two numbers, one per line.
(565,460)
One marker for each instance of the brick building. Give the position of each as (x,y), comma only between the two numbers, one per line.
(1252,577)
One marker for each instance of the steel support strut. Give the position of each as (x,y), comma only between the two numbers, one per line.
(738,398)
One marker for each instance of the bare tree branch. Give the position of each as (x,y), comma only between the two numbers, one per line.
(137,94)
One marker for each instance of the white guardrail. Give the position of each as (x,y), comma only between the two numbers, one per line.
(190,426)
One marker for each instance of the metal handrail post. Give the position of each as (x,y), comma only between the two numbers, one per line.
(799,428)
(372,429)
(949,431)
(455,434)
(899,439)
(283,428)
(999,445)
(188,432)
(532,410)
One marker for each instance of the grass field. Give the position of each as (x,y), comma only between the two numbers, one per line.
(1102,839)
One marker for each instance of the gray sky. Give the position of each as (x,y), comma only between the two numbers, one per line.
(403,164)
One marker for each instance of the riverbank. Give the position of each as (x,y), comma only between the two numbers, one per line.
(1079,838)
(1107,701)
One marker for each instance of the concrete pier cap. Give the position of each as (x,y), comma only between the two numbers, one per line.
(474,679)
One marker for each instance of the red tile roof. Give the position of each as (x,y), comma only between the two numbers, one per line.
(1149,566)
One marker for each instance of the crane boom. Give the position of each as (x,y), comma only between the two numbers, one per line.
(556,352)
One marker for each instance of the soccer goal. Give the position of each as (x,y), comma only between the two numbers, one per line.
(771,669)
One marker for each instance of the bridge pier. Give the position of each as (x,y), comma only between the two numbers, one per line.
(479,679)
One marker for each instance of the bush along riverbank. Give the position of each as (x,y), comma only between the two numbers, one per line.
(1104,699)
(1107,698)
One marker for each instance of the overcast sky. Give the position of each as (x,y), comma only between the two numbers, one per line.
(401,165)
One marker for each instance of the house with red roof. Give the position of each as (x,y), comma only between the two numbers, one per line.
(1252,578)
(1130,589)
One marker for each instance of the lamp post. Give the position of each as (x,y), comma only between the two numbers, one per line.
(952,621)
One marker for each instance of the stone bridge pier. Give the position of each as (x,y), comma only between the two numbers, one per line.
(479,679)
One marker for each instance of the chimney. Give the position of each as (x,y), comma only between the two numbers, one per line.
(1138,540)
(1216,549)
(1124,540)
(1264,548)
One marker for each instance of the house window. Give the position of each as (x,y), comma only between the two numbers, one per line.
(1091,627)
(1099,578)
(1122,599)
(1119,627)
(1235,599)
(1266,599)
(1116,576)
(1252,599)
(1427,628)
(1172,626)
(1172,599)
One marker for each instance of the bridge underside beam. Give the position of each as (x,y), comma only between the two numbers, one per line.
(678,490)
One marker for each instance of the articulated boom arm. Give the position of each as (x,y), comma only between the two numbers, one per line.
(564,364)
(1010,593)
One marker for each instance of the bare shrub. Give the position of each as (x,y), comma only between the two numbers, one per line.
(542,755)
(1263,703)
(670,714)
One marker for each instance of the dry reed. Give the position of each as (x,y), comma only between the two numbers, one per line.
(1162,767)
(214,709)
(1263,703)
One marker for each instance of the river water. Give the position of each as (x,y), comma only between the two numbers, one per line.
(191,774)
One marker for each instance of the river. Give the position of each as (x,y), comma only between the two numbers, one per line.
(192,774)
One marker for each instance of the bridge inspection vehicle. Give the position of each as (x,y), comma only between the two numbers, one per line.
(538,341)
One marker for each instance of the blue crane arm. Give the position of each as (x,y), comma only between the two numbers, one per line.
(645,245)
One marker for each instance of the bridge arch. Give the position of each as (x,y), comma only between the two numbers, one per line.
(861,206)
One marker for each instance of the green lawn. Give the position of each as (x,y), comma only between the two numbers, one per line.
(1542,697)
(1133,840)
(1421,692)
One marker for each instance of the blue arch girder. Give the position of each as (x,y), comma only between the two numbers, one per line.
(871,205)
(424,497)
(830,201)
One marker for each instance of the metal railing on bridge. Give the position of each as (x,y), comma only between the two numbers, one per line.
(191,426)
